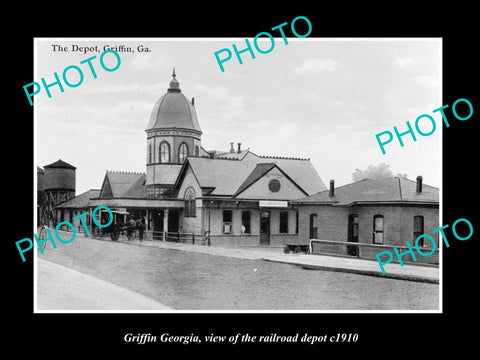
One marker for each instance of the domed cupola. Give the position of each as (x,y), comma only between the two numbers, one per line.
(174,111)
(173,134)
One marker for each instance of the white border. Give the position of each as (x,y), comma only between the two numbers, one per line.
(35,142)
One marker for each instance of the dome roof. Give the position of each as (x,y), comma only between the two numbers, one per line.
(174,110)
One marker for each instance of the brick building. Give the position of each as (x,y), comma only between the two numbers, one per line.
(377,214)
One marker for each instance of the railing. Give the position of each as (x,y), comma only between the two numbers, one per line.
(343,246)
(355,244)
(180,237)
(184,237)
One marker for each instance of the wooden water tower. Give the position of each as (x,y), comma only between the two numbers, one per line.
(58,184)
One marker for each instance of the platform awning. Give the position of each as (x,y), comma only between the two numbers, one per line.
(138,203)
(120,211)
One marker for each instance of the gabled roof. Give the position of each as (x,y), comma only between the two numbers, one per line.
(119,184)
(259,171)
(385,190)
(137,190)
(81,201)
(223,176)
(229,177)
(301,171)
(226,172)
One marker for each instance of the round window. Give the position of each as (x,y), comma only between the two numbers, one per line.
(274,185)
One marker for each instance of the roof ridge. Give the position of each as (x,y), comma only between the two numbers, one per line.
(283,157)
(125,172)
(380,190)
(215,158)
(341,186)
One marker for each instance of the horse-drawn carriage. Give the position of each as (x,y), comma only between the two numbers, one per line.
(117,227)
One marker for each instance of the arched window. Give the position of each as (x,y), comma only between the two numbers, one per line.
(189,198)
(378,229)
(197,150)
(164,152)
(150,154)
(182,152)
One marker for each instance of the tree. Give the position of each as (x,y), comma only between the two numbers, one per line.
(375,172)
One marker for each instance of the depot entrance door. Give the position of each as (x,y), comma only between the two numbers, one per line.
(264,228)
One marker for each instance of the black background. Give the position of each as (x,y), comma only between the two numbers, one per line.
(385,334)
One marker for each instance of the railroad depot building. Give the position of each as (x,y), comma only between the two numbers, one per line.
(377,214)
(239,198)
(232,197)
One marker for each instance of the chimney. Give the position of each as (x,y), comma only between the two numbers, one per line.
(232,150)
(212,154)
(419,184)
(239,147)
(331,193)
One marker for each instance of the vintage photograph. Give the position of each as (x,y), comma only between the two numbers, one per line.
(168,183)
